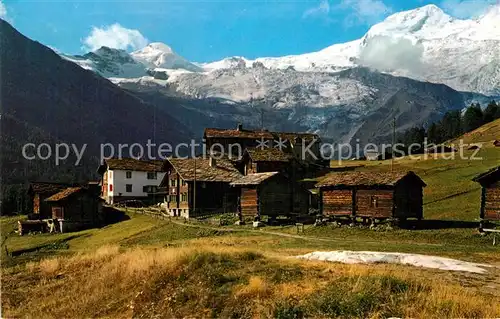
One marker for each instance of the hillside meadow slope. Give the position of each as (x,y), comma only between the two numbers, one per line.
(147,267)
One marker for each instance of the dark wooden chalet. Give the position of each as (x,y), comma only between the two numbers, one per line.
(76,208)
(490,195)
(292,142)
(38,192)
(268,194)
(372,195)
(197,187)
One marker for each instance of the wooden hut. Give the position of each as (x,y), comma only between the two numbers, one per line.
(38,192)
(264,194)
(490,195)
(76,208)
(372,195)
(200,186)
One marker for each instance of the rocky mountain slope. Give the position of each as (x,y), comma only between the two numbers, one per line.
(47,99)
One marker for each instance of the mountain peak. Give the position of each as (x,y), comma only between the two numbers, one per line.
(429,17)
(493,14)
(159,46)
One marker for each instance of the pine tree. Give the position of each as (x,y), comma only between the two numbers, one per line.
(473,118)
(492,112)
(451,125)
(434,134)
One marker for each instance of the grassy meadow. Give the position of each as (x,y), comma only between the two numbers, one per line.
(146,267)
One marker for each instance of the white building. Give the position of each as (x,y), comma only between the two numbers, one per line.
(130,179)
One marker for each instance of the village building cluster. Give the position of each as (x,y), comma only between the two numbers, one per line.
(271,182)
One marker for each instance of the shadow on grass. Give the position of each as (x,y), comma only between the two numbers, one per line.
(113,215)
(55,245)
(430,224)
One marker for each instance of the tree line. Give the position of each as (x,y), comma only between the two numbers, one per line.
(452,125)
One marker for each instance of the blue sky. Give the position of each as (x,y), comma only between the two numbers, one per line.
(205,31)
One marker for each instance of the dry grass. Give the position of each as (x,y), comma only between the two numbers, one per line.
(230,282)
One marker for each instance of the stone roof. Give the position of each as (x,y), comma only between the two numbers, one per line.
(47,187)
(268,155)
(64,194)
(223,171)
(131,164)
(365,179)
(258,134)
(491,175)
(253,179)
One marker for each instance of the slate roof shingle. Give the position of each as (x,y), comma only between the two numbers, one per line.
(223,171)
(268,155)
(257,134)
(253,179)
(131,164)
(47,187)
(487,175)
(64,194)
(364,178)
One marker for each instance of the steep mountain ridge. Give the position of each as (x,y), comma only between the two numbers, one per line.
(63,103)
(425,44)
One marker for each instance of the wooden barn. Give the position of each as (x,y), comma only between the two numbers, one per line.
(266,194)
(76,208)
(197,187)
(38,192)
(490,195)
(372,195)
(293,143)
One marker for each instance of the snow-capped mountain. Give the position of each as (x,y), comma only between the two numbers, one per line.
(156,58)
(340,91)
(424,44)
(159,55)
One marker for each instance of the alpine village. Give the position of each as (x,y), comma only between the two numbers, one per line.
(263,182)
(358,181)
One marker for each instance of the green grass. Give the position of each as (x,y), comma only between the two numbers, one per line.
(450,193)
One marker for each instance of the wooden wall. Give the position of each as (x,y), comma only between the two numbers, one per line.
(36,204)
(337,202)
(275,197)
(408,200)
(404,201)
(248,202)
(492,202)
(374,203)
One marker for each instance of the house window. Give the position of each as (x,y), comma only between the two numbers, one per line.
(184,197)
(128,188)
(183,183)
(128,174)
(152,175)
(374,201)
(173,182)
(172,198)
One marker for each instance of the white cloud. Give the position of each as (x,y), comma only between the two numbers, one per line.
(364,11)
(388,54)
(467,8)
(114,36)
(3,10)
(323,9)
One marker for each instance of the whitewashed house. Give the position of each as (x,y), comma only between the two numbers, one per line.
(130,179)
